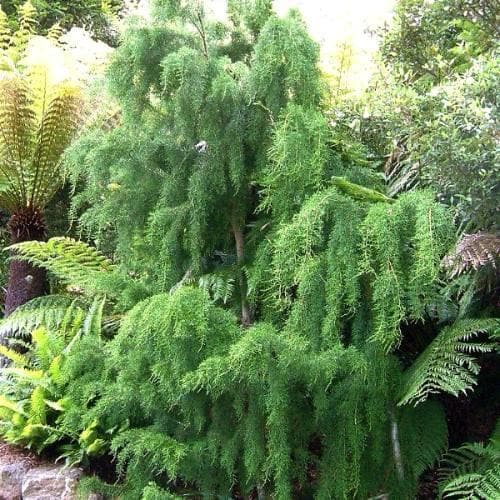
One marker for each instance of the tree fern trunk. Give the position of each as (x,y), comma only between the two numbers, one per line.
(25,280)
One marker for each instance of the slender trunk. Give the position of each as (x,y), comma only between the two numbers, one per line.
(25,280)
(239,240)
(396,448)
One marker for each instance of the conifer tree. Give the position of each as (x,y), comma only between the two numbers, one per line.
(199,103)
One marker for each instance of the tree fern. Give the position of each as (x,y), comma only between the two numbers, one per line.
(447,364)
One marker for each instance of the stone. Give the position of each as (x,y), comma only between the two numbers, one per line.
(11,477)
(50,482)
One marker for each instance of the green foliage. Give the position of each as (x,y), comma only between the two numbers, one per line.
(39,119)
(429,40)
(33,385)
(96,16)
(225,191)
(447,364)
(49,311)
(433,109)
(472,471)
(79,266)
(188,170)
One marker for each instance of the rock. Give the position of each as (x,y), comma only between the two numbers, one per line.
(11,477)
(50,482)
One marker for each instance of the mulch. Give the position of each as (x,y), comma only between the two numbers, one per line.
(10,454)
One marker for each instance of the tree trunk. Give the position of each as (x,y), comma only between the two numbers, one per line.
(239,240)
(25,280)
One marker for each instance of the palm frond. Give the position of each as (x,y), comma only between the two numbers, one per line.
(448,363)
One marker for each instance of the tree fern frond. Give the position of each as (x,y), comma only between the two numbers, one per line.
(471,471)
(55,32)
(447,365)
(71,261)
(473,251)
(82,267)
(48,311)
(5,34)
(58,125)
(16,140)
(27,27)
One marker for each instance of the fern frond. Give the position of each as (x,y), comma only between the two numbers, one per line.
(447,365)
(28,374)
(48,311)
(54,33)
(71,261)
(220,287)
(58,126)
(83,267)
(17,139)
(38,407)
(10,405)
(27,28)
(5,34)
(18,359)
(473,251)
(471,471)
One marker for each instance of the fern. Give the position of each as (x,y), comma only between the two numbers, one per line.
(12,406)
(472,471)
(38,122)
(447,364)
(17,358)
(473,251)
(48,311)
(219,286)
(5,34)
(81,267)
(27,23)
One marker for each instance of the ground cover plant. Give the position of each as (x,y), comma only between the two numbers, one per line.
(257,311)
